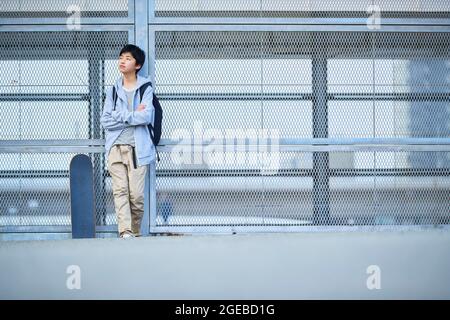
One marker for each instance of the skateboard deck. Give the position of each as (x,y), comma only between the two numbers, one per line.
(82,197)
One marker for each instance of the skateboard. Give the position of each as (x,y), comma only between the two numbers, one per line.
(82,197)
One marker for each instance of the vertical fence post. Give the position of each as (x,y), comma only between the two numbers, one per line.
(321,162)
(141,40)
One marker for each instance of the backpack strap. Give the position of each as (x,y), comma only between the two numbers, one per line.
(143,88)
(114,93)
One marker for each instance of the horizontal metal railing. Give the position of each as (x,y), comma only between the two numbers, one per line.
(285,144)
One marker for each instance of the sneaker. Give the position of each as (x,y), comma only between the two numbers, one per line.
(127,234)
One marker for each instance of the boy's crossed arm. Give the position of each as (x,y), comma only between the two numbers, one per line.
(118,120)
(143,114)
(134,118)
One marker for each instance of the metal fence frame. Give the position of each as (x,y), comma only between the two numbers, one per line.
(141,25)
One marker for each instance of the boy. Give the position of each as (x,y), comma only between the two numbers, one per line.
(129,148)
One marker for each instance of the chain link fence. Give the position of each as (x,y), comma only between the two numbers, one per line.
(274,120)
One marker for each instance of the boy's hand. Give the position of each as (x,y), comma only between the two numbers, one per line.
(141,107)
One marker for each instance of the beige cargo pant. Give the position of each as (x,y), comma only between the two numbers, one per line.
(128,188)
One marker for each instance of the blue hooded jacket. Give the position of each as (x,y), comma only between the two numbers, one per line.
(115,121)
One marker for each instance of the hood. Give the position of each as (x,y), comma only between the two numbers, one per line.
(119,89)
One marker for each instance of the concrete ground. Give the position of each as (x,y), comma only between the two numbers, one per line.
(352,265)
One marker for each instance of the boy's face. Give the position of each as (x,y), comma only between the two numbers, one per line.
(127,64)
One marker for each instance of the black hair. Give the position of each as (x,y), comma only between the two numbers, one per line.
(137,53)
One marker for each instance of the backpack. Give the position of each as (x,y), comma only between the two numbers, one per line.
(155,131)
